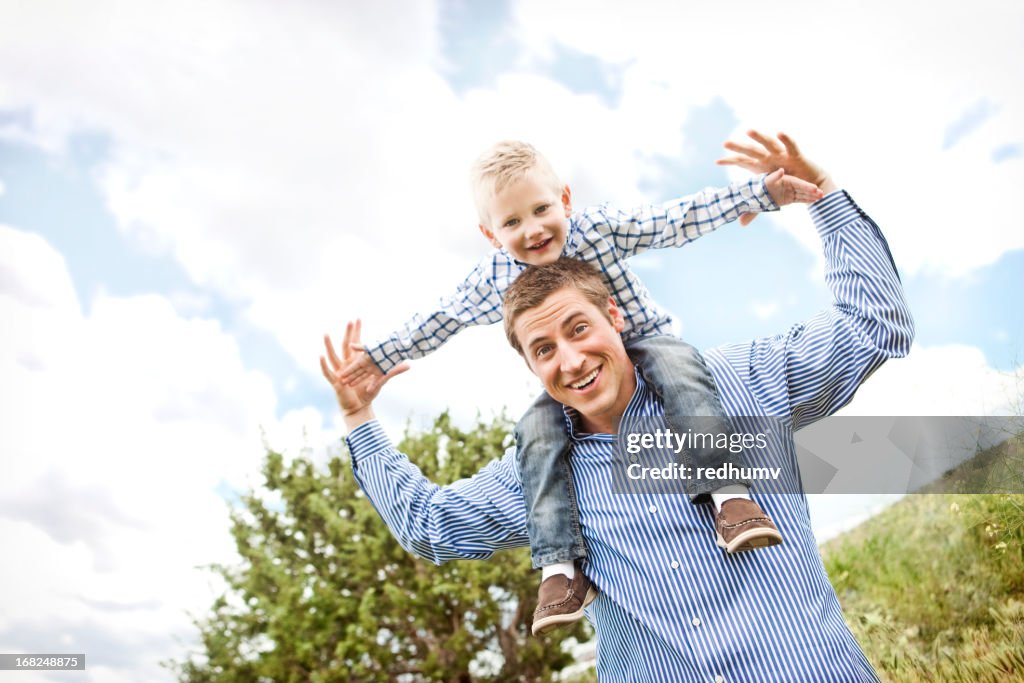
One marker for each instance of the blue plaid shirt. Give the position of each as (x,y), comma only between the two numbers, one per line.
(672,606)
(603,235)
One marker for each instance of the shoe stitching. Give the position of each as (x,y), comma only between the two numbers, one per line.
(753,520)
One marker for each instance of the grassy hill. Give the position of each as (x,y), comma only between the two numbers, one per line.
(933,587)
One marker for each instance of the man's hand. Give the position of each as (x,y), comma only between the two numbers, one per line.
(355,400)
(768,154)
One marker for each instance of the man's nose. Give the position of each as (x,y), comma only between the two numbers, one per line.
(572,360)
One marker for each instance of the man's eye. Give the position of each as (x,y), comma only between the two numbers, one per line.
(581,328)
(542,350)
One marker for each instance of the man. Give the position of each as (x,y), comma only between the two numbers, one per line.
(671,607)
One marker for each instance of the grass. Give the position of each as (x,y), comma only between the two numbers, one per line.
(933,587)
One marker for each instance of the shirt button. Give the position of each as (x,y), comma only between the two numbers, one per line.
(696,621)
(653,509)
(674,565)
(719,678)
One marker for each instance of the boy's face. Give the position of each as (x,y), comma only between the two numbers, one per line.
(529,219)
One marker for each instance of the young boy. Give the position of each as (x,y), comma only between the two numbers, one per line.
(526,214)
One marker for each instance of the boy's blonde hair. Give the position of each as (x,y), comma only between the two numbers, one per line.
(503,164)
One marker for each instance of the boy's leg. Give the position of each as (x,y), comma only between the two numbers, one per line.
(678,374)
(552,516)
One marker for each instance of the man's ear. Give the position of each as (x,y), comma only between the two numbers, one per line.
(567,201)
(489,236)
(615,315)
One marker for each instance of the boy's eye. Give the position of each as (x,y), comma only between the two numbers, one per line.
(542,208)
(510,223)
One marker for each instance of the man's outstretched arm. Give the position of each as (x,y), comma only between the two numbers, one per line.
(816,367)
(469,519)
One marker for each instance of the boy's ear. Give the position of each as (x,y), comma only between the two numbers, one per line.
(489,236)
(567,201)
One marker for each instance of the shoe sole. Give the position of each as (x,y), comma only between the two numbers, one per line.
(750,540)
(545,624)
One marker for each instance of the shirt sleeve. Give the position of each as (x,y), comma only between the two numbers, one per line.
(469,519)
(679,221)
(816,367)
(476,301)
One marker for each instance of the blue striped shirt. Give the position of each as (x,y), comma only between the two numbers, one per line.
(672,606)
(603,235)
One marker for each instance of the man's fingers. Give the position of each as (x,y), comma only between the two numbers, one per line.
(791,147)
(771,145)
(757,153)
(747,218)
(327,373)
(742,162)
(335,361)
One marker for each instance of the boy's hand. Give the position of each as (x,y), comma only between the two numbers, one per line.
(766,154)
(361,367)
(787,189)
(355,401)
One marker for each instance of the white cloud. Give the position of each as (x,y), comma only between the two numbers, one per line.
(951,379)
(764,310)
(868,89)
(116,428)
(308,163)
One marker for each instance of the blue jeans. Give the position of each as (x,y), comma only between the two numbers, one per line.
(677,373)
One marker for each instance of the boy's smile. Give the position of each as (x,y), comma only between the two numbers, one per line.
(529,219)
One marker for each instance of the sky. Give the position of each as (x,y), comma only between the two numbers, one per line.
(191,194)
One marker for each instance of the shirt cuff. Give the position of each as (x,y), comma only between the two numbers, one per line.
(761,195)
(380,358)
(366,440)
(834,211)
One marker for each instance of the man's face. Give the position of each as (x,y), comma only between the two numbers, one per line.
(575,349)
(529,219)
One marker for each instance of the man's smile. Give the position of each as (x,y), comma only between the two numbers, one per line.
(587,381)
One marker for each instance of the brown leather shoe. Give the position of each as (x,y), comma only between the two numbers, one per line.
(561,601)
(741,525)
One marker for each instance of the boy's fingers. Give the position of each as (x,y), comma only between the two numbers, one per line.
(747,218)
(393,372)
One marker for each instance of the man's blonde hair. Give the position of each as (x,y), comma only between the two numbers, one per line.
(503,164)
